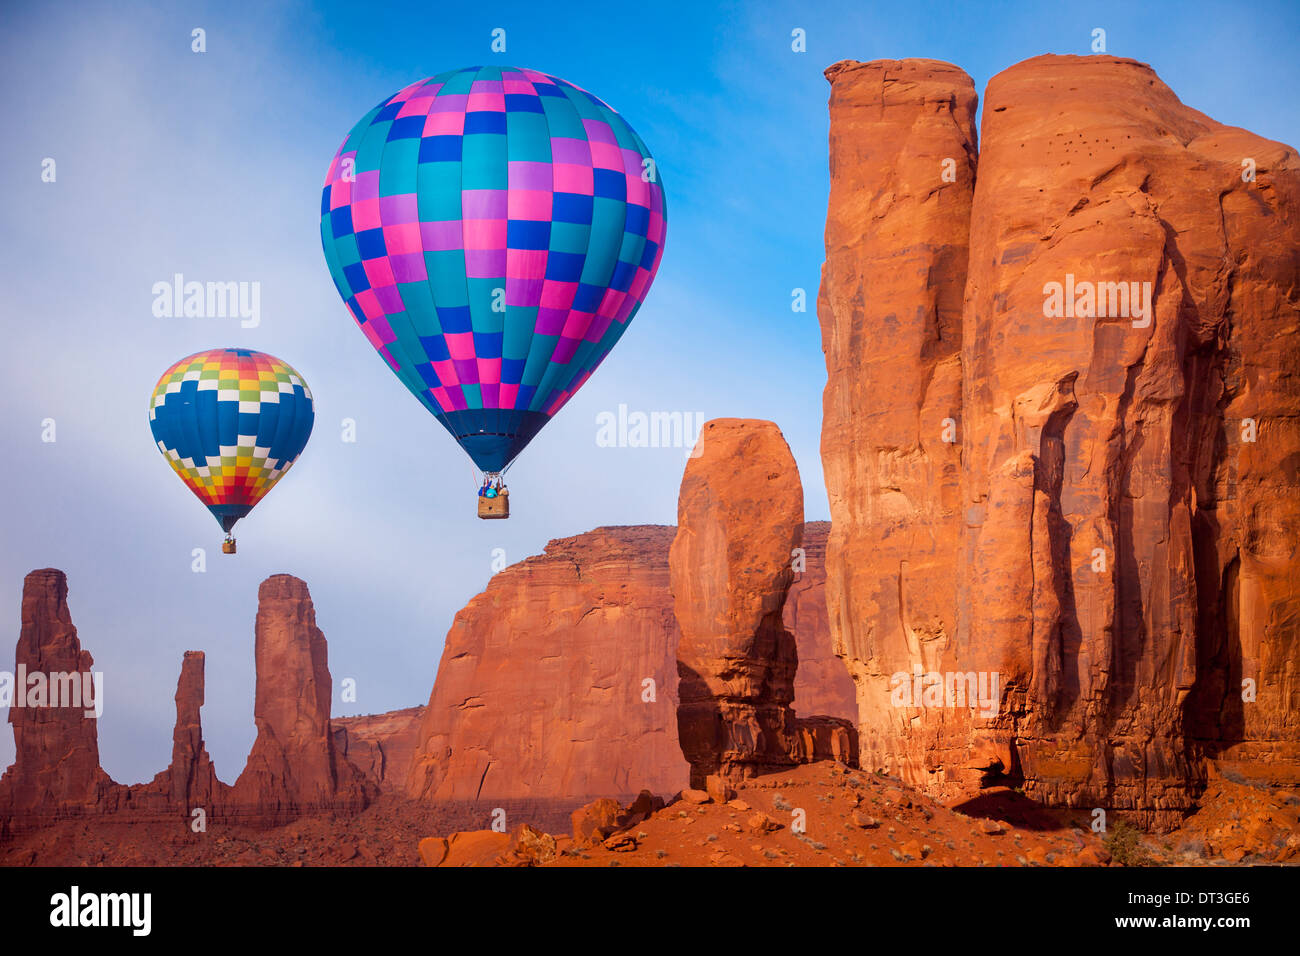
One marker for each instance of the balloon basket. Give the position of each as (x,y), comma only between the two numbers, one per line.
(498,507)
(228,546)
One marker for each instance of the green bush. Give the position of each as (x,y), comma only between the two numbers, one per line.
(1125,845)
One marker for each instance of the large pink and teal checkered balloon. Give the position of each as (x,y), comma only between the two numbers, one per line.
(493,231)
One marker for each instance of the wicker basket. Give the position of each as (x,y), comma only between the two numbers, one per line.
(497,507)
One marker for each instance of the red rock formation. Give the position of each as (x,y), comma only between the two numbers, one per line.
(902,156)
(739,519)
(598,820)
(56,768)
(592,616)
(1126,553)
(465,848)
(191,779)
(822,684)
(293,767)
(740,523)
(381,746)
(1135,428)
(556,682)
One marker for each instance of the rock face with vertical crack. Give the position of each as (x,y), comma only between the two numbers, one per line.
(1148,498)
(902,158)
(1128,429)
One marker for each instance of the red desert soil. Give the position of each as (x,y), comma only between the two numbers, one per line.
(853,818)
(384,834)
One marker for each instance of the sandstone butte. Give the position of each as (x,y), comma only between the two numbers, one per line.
(558,684)
(1119,490)
(739,532)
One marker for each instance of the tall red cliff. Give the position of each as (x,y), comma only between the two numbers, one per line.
(293,767)
(1151,563)
(190,781)
(52,710)
(1125,519)
(902,159)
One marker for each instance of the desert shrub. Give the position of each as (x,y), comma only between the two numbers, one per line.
(1125,845)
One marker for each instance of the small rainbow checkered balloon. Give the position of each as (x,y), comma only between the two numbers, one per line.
(493,231)
(231,422)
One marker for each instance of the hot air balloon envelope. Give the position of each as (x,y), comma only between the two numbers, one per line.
(493,231)
(231,422)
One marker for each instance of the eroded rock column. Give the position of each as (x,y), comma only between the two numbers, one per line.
(902,161)
(293,765)
(56,740)
(739,518)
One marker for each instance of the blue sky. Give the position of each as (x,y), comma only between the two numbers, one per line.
(211,165)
